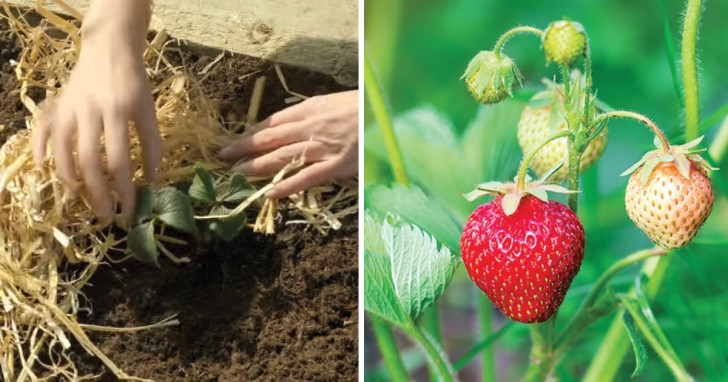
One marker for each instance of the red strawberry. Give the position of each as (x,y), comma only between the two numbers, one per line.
(670,197)
(524,261)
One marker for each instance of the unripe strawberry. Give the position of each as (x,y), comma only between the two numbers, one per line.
(670,197)
(522,250)
(490,78)
(539,122)
(564,42)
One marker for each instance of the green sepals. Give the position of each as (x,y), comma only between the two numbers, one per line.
(491,77)
(683,156)
(510,202)
(564,42)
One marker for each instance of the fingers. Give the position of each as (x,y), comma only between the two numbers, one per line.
(62,144)
(151,141)
(290,114)
(313,175)
(89,163)
(273,162)
(116,132)
(41,133)
(262,141)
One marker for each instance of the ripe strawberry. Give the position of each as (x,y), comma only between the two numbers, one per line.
(671,197)
(539,122)
(490,78)
(564,42)
(524,261)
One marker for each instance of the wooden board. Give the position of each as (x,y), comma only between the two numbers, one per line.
(317,34)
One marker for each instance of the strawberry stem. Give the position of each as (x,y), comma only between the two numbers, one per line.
(523,169)
(389,351)
(506,36)
(639,117)
(690,71)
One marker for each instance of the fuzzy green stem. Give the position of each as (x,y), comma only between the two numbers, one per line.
(383,119)
(566,79)
(587,91)
(389,350)
(442,367)
(506,36)
(639,117)
(523,169)
(430,323)
(485,312)
(572,199)
(581,319)
(689,69)
(542,357)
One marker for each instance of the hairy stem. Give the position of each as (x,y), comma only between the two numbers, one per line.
(430,323)
(523,169)
(639,117)
(389,350)
(542,359)
(506,36)
(689,69)
(383,119)
(442,367)
(573,178)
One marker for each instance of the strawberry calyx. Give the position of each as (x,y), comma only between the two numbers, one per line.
(491,77)
(683,156)
(512,193)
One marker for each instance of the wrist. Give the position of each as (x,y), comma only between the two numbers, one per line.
(122,24)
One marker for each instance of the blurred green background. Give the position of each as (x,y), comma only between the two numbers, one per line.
(419,49)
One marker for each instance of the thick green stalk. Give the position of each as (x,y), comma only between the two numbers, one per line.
(389,350)
(485,312)
(573,179)
(383,119)
(441,365)
(542,359)
(689,69)
(430,323)
(506,36)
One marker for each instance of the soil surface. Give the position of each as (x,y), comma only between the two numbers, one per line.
(269,308)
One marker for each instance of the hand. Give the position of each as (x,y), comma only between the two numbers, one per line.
(107,88)
(323,129)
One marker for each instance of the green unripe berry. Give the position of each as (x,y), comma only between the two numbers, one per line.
(564,42)
(490,78)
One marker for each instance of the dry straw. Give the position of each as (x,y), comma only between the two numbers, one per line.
(50,244)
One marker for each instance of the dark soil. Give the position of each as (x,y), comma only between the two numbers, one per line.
(269,308)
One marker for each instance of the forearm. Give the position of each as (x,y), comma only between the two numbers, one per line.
(123,23)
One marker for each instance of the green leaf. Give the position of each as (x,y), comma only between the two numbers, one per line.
(142,244)
(419,270)
(237,190)
(203,186)
(174,209)
(414,207)
(145,204)
(229,228)
(640,353)
(380,298)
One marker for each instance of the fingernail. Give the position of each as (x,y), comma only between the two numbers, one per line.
(224,153)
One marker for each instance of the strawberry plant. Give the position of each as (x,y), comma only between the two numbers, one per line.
(524,247)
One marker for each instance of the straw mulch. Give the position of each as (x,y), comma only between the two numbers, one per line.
(50,245)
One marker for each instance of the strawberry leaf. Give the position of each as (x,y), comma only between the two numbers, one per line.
(640,353)
(236,190)
(647,169)
(510,203)
(229,228)
(145,204)
(174,209)
(141,244)
(203,186)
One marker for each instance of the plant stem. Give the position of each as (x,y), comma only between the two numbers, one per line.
(579,322)
(614,347)
(442,367)
(383,119)
(389,350)
(689,69)
(485,312)
(587,91)
(523,169)
(479,347)
(430,323)
(542,359)
(573,178)
(566,78)
(639,117)
(506,36)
